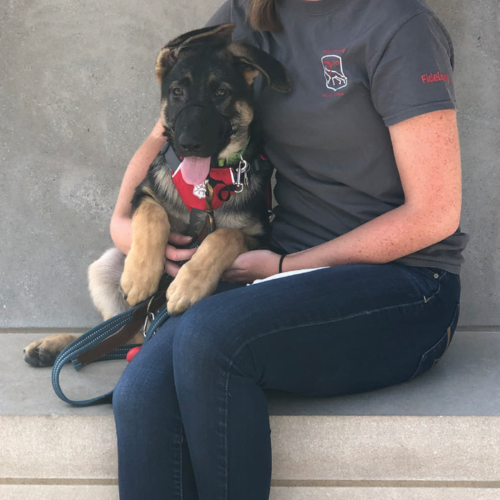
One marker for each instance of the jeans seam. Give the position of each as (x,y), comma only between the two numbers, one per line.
(180,462)
(226,450)
(351,316)
(449,333)
(387,308)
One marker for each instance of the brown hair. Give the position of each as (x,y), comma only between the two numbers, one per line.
(263,15)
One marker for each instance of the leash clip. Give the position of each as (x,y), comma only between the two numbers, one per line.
(149,319)
(242,169)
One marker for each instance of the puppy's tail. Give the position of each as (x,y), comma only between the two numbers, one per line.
(104,283)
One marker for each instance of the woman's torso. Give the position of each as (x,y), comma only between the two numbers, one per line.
(328,138)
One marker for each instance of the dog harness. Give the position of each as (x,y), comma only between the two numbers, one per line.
(221,180)
(224,180)
(230,177)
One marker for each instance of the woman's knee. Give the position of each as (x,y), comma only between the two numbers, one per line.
(211,342)
(204,340)
(147,381)
(124,400)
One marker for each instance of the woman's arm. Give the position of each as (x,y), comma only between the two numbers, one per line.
(121,221)
(427,154)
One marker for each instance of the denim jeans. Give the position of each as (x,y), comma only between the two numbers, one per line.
(190,409)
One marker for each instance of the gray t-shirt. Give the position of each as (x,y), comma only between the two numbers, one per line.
(357,66)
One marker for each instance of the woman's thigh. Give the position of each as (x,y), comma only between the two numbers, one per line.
(332,331)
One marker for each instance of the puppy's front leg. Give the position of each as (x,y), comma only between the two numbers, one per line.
(146,260)
(198,278)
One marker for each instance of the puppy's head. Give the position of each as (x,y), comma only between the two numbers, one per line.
(206,93)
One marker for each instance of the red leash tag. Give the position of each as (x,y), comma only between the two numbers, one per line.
(131,354)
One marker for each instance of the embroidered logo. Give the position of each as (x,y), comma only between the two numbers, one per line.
(334,74)
(200,191)
(435,77)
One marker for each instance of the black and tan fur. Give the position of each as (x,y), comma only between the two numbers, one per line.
(206,68)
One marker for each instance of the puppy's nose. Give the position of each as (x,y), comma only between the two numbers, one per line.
(189,144)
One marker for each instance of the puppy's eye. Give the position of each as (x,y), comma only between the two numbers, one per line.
(177,91)
(220,92)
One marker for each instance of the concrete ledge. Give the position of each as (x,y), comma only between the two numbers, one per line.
(437,437)
(304,448)
(85,492)
(58,492)
(361,493)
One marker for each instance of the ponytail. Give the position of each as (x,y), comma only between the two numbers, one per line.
(263,15)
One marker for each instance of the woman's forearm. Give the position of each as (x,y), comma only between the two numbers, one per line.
(121,233)
(427,155)
(388,237)
(121,223)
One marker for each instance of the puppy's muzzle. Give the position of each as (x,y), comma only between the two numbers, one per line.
(200,130)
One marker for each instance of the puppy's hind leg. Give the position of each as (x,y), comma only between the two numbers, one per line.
(104,283)
(43,352)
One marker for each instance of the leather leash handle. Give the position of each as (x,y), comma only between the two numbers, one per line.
(127,331)
(130,329)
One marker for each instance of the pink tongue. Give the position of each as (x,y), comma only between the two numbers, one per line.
(195,170)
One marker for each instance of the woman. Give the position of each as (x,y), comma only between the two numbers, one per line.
(369,189)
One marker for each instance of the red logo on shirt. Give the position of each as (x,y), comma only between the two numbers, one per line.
(335,78)
(333,72)
(333,51)
(435,77)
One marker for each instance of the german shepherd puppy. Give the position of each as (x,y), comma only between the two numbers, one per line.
(208,115)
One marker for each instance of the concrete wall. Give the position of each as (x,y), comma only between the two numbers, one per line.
(78,96)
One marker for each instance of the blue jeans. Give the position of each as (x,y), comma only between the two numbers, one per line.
(190,409)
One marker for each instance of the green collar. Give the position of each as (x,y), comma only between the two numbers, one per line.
(235,157)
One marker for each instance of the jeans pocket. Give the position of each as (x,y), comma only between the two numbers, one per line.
(436,352)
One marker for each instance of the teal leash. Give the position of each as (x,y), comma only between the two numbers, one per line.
(94,337)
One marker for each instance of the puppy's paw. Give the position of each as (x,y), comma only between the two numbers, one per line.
(140,279)
(43,352)
(190,286)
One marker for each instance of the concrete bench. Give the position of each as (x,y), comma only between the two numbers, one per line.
(437,437)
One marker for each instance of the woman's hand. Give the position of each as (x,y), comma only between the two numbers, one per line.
(249,266)
(175,255)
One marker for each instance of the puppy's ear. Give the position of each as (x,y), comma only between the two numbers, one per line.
(257,61)
(213,35)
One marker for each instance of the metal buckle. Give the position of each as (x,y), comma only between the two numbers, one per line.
(243,168)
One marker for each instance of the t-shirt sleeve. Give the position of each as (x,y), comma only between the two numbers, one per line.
(222,15)
(414,73)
